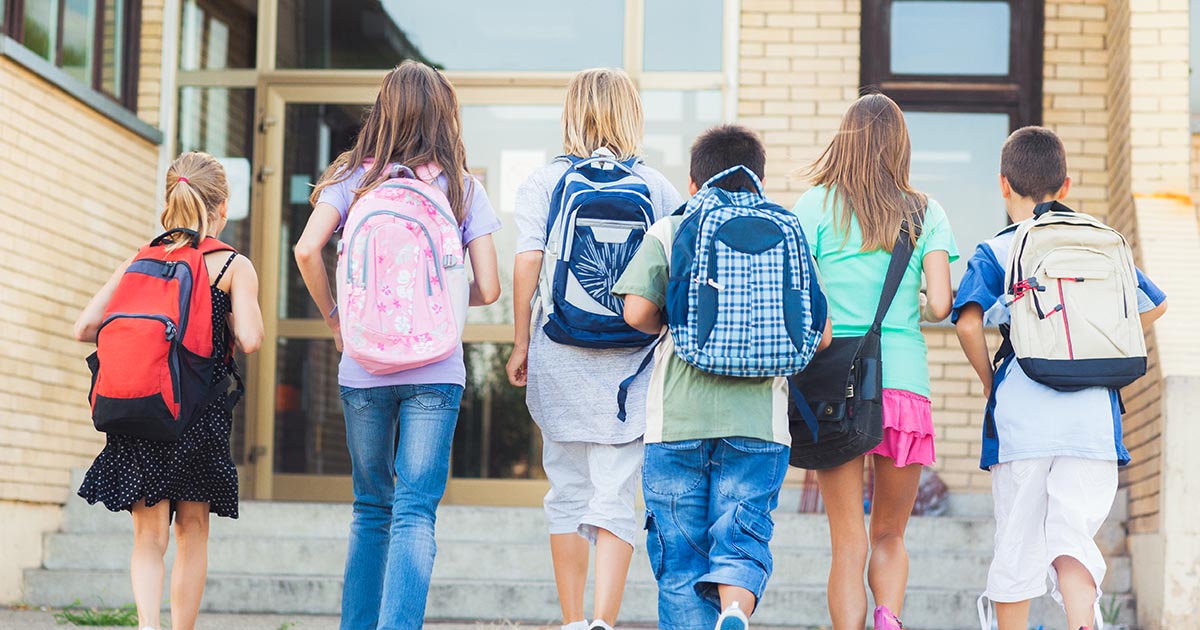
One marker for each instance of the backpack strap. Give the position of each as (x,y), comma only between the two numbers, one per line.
(902,253)
(162,238)
(712,181)
(1050,206)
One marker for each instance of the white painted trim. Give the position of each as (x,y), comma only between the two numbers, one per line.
(733,30)
(168,110)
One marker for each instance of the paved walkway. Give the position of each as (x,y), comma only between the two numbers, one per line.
(44,620)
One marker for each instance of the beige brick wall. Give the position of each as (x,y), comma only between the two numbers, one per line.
(150,75)
(76,197)
(799,70)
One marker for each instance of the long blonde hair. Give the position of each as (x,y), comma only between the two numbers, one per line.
(866,168)
(415,121)
(196,188)
(602,109)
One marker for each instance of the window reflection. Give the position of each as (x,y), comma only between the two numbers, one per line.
(79,39)
(310,430)
(949,38)
(956,160)
(217,34)
(683,35)
(673,120)
(455,35)
(495,438)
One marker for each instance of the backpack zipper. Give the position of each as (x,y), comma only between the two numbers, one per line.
(437,252)
(172,335)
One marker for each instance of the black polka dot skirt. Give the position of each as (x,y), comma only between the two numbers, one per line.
(199,467)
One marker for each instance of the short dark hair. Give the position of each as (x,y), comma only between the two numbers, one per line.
(723,147)
(1034,162)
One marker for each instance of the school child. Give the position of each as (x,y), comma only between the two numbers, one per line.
(580,218)
(153,470)
(1053,451)
(410,216)
(853,216)
(716,445)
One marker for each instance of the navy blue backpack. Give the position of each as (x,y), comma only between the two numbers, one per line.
(599,213)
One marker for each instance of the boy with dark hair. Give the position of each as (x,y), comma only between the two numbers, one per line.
(1053,482)
(716,446)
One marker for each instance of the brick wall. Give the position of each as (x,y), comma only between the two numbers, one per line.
(799,70)
(150,75)
(66,224)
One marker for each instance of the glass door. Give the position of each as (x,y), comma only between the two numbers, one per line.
(301,448)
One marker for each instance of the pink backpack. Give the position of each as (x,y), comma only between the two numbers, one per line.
(401,277)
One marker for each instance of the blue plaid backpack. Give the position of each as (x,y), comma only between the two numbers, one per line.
(743,298)
(599,212)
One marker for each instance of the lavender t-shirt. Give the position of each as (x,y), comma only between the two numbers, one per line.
(480,221)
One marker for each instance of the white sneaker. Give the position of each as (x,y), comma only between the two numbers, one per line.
(733,619)
(576,625)
(600,624)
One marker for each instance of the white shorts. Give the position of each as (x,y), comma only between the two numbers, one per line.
(593,487)
(1045,509)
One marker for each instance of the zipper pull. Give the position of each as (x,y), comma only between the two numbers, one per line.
(716,285)
(169,269)
(171,331)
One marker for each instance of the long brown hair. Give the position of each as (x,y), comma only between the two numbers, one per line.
(866,168)
(196,188)
(415,121)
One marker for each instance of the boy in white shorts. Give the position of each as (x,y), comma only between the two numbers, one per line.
(1053,455)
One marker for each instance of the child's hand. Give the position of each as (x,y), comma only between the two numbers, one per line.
(518,366)
(335,324)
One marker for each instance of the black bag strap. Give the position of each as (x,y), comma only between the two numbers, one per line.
(161,238)
(901,255)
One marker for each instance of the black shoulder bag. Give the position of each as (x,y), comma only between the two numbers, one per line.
(837,401)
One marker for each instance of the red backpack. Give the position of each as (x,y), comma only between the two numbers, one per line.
(152,372)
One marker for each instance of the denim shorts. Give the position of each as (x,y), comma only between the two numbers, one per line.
(708,522)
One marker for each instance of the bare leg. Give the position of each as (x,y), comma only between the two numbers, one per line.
(151,531)
(570,555)
(191,563)
(891,505)
(842,489)
(612,569)
(1078,592)
(1012,615)
(730,594)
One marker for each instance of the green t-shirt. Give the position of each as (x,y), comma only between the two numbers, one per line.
(682,402)
(853,280)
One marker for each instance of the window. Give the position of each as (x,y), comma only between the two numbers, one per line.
(966,73)
(93,41)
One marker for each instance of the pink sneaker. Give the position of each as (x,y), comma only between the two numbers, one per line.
(885,620)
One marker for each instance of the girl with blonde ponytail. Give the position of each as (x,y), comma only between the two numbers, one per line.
(182,481)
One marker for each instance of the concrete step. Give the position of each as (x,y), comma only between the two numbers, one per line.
(281,520)
(518,600)
(794,565)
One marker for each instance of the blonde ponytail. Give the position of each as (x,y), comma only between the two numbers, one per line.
(196,188)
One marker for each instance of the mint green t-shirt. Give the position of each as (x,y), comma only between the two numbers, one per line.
(853,279)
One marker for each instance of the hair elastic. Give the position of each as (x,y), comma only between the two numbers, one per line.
(184,180)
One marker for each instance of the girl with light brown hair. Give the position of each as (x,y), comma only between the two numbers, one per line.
(186,480)
(852,217)
(592,459)
(399,425)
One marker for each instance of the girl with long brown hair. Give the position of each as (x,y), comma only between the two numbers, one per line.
(852,217)
(399,425)
(183,481)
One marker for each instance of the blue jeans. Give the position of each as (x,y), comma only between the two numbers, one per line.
(399,438)
(708,521)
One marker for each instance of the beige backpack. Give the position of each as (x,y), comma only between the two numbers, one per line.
(1072,296)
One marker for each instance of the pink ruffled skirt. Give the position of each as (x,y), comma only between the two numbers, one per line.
(907,429)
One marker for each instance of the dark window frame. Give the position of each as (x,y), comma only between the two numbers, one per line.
(1018,94)
(130,50)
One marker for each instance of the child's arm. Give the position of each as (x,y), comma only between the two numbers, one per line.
(527,268)
(485,286)
(1152,315)
(322,223)
(938,296)
(247,323)
(827,336)
(974,344)
(643,315)
(87,326)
